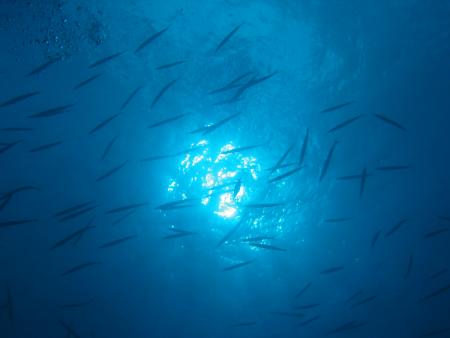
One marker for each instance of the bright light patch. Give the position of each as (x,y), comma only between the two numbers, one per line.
(227,207)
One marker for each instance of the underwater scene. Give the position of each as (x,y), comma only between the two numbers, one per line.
(224,168)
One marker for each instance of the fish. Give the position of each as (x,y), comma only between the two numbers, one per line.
(75,235)
(282,166)
(120,219)
(105,59)
(347,327)
(444,218)
(393,167)
(283,157)
(362,177)
(436,232)
(9,306)
(262,205)
(240,149)
(327,162)
(307,306)
(180,234)
(238,265)
(70,331)
(16,129)
(286,174)
(333,269)
(18,98)
(243,324)
(130,97)
(375,238)
(304,148)
(363,301)
(308,321)
(389,121)
(78,267)
(109,147)
(103,123)
(5,224)
(116,241)
(86,82)
(253,82)
(354,296)
(170,65)
(111,172)
(231,232)
(287,314)
(409,266)
(150,39)
(266,247)
(436,293)
(395,228)
(257,239)
(345,123)
(227,37)
(337,107)
(72,209)
(76,305)
(438,273)
(51,111)
(166,121)
(43,66)
(174,204)
(162,91)
(303,290)
(237,188)
(207,129)
(7,146)
(6,197)
(338,220)
(232,84)
(77,213)
(438,332)
(125,208)
(45,146)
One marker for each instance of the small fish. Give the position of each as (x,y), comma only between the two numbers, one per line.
(120,219)
(409,266)
(77,213)
(262,205)
(345,123)
(257,239)
(170,65)
(125,208)
(282,166)
(105,59)
(395,228)
(331,270)
(286,174)
(231,232)
(303,290)
(162,91)
(238,265)
(287,314)
(327,162)
(337,107)
(207,129)
(78,267)
(237,188)
(354,296)
(437,292)
(9,306)
(444,218)
(6,197)
(7,146)
(227,37)
(166,121)
(253,82)
(240,149)
(180,234)
(175,204)
(72,209)
(43,66)
(438,273)
(338,220)
(266,247)
(438,332)
(4,224)
(389,121)
(130,97)
(347,327)
(436,232)
(17,99)
(45,146)
(75,235)
(375,238)
(51,112)
(393,167)
(243,324)
(304,148)
(109,147)
(103,123)
(232,84)
(149,40)
(111,172)
(117,241)
(86,82)
(308,321)
(76,305)
(364,301)
(16,129)
(307,306)
(70,331)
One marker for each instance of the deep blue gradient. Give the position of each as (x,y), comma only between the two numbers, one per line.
(386,59)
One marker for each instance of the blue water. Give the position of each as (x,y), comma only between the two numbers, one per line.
(348,240)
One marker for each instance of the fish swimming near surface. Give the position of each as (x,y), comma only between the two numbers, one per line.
(69,329)
(16,129)
(167,121)
(444,218)
(105,59)
(180,234)
(170,65)
(151,39)
(436,293)
(304,148)
(73,236)
(389,121)
(286,174)
(176,204)
(208,129)
(438,273)
(237,188)
(241,324)
(103,123)
(18,98)
(437,332)
(77,213)
(161,92)
(436,232)
(355,296)
(393,167)
(395,228)
(345,123)
(45,146)
(303,289)
(253,82)
(287,314)
(4,147)
(125,208)
(338,220)
(262,205)
(43,66)
(375,238)
(361,177)
(232,84)
(307,306)
(5,224)
(337,107)
(409,266)
(86,82)
(130,97)
(78,268)
(327,162)
(347,327)
(123,217)
(72,209)
(227,37)
(283,157)
(117,241)
(7,196)
(77,305)
(231,232)
(332,269)
(238,265)
(9,305)
(257,239)
(240,149)
(110,172)
(363,301)
(266,246)
(108,147)
(308,321)
(51,111)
